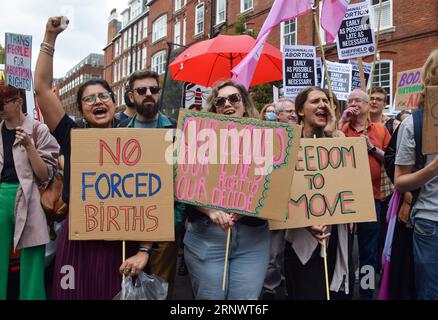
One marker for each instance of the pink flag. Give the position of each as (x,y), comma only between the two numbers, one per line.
(282,10)
(332,14)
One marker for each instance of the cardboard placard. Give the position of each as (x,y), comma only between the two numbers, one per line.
(332,184)
(299,69)
(18,50)
(409,88)
(355,74)
(340,78)
(355,37)
(121,187)
(430,121)
(221,161)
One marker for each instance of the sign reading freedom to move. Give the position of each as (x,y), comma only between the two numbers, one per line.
(18,48)
(221,161)
(120,189)
(332,184)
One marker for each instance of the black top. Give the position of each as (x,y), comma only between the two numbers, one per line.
(8,173)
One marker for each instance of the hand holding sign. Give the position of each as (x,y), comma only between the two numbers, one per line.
(318,232)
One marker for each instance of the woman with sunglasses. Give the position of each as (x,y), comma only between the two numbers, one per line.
(96,264)
(27,161)
(206,236)
(303,257)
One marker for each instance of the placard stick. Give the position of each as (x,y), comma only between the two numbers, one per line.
(329,84)
(224,280)
(123,260)
(363,84)
(326,270)
(377,46)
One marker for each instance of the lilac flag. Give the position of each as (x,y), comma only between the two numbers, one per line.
(282,10)
(332,14)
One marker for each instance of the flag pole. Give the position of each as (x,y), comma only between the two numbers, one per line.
(329,84)
(377,46)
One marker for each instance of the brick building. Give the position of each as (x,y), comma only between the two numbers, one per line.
(66,88)
(409,31)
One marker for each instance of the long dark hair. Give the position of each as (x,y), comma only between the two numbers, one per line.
(92,82)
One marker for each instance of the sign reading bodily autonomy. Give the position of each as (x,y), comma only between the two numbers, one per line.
(299,69)
(18,49)
(325,189)
(235,164)
(120,189)
(355,37)
(340,79)
(409,89)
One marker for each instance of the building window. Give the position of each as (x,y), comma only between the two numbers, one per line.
(144,58)
(115,72)
(138,59)
(159,62)
(386,16)
(221,11)
(177,34)
(199,23)
(246,5)
(383,77)
(124,67)
(136,9)
(128,67)
(184,32)
(177,5)
(129,37)
(145,27)
(288,33)
(159,28)
(135,33)
(125,40)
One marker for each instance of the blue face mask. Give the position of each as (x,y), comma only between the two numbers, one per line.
(270,116)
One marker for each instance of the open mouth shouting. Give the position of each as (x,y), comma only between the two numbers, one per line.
(99,112)
(229,112)
(321,114)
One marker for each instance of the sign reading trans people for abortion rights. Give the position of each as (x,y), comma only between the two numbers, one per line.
(18,49)
(121,185)
(340,79)
(355,74)
(332,184)
(355,37)
(234,164)
(299,69)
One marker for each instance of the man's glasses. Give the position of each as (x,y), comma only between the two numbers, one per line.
(5,102)
(220,102)
(376,99)
(103,96)
(143,90)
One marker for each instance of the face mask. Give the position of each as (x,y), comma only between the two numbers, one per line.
(270,116)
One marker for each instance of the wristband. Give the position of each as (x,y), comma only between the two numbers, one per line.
(145,249)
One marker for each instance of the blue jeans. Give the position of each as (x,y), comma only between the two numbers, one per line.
(204,253)
(425,242)
(368,236)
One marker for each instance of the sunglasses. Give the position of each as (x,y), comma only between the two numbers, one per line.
(5,102)
(220,102)
(143,90)
(103,96)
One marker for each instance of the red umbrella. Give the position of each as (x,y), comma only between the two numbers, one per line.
(209,61)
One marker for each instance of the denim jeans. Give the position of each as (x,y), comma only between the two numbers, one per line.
(426,258)
(204,253)
(368,236)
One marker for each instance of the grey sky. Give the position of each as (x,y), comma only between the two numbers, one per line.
(87,32)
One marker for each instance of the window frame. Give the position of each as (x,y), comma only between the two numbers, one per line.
(391,72)
(198,7)
(217,12)
(282,34)
(158,29)
(242,5)
(154,67)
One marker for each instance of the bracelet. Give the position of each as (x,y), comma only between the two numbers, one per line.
(145,249)
(46,52)
(48,46)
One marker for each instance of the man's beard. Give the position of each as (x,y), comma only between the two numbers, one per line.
(148,111)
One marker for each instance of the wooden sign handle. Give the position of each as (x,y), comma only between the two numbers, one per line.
(224,280)
(324,246)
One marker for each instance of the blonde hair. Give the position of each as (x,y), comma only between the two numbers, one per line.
(248,104)
(429,70)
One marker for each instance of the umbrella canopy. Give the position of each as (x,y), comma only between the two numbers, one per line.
(209,61)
